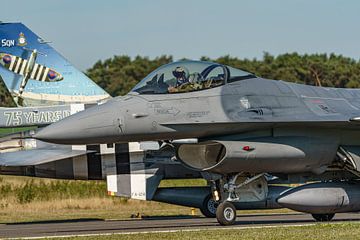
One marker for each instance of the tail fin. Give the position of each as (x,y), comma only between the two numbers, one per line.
(35,74)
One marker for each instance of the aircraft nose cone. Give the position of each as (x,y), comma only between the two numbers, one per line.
(60,132)
(91,126)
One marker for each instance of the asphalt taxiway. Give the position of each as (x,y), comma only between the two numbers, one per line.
(154,224)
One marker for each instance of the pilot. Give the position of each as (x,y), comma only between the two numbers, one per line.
(182,76)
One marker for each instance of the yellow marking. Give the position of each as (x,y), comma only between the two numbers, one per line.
(192,211)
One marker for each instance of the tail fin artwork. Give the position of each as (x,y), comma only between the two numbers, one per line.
(35,74)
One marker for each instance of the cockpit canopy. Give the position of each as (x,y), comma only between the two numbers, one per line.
(187,76)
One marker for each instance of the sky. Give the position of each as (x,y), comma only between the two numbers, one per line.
(85,31)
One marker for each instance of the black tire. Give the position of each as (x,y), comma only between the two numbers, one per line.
(209,206)
(226,213)
(323,217)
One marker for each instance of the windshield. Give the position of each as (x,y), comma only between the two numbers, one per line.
(187,76)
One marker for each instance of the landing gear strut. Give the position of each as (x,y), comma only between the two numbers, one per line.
(226,213)
(236,188)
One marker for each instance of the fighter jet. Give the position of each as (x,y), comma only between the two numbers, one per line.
(236,128)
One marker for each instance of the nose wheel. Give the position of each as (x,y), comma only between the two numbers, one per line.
(226,213)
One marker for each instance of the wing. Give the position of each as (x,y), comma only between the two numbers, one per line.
(37,156)
(246,125)
(19,149)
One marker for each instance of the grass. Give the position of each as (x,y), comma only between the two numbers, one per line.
(334,231)
(93,208)
(6,131)
(39,190)
(183,182)
(26,190)
(26,199)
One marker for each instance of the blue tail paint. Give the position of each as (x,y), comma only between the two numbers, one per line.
(33,71)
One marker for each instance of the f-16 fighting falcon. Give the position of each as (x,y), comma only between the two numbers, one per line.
(238,129)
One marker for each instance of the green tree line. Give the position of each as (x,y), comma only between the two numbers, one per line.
(117,75)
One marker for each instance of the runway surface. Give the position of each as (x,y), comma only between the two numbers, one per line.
(155,224)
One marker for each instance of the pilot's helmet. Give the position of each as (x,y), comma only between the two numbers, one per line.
(181,72)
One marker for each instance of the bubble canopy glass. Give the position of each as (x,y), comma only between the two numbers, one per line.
(187,76)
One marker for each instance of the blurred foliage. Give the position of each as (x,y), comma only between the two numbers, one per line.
(26,190)
(117,75)
(44,191)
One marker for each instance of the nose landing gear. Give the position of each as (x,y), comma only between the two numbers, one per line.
(236,188)
(226,213)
